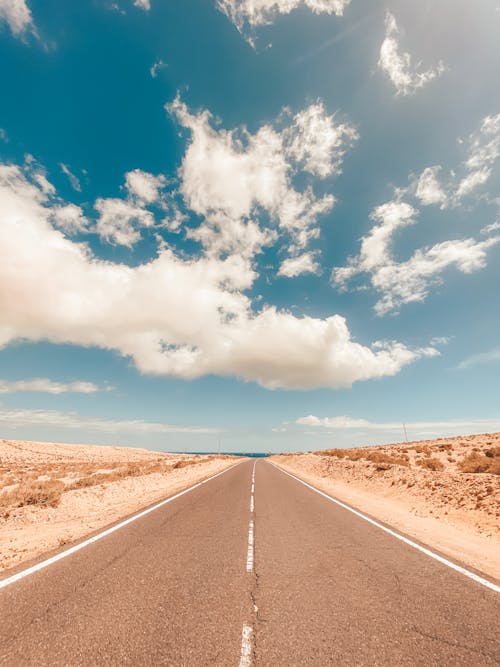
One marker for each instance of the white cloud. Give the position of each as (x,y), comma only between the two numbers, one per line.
(428,189)
(472,181)
(17,15)
(408,281)
(143,4)
(72,420)
(47,187)
(120,220)
(477,168)
(422,428)
(75,183)
(481,358)
(144,187)
(220,234)
(3,135)
(69,218)
(172,316)
(44,385)
(397,64)
(411,281)
(317,142)
(296,266)
(117,218)
(254,13)
(235,176)
(484,145)
(336,422)
(376,246)
(156,67)
(493,227)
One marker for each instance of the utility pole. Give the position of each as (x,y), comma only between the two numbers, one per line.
(406,435)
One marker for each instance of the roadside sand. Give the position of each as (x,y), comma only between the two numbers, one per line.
(448,509)
(53,494)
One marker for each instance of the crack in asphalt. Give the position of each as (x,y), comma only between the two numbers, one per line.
(454,644)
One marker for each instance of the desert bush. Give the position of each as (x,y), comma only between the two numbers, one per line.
(381,458)
(480,463)
(338,453)
(362,454)
(33,492)
(185,462)
(430,464)
(423,449)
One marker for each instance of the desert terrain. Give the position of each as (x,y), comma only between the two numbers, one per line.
(445,492)
(52,494)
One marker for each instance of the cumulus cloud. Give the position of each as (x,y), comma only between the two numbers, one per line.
(336,422)
(72,420)
(318,142)
(296,266)
(117,218)
(176,316)
(428,189)
(232,177)
(46,386)
(408,281)
(397,64)
(69,218)
(144,187)
(250,14)
(17,15)
(120,220)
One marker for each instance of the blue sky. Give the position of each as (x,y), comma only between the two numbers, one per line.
(276,222)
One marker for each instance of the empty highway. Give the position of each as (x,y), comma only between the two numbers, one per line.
(249,568)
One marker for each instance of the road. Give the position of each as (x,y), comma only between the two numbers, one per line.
(224,576)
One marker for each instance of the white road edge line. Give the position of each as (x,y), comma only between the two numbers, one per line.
(250,547)
(424,550)
(45,563)
(246,646)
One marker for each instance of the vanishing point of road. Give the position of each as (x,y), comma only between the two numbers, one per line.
(249,568)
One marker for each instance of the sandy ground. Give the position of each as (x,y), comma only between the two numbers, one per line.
(52,494)
(425,489)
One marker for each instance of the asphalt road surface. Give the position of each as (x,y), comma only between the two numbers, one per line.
(250,568)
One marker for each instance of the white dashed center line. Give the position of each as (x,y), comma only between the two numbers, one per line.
(247,633)
(250,548)
(246,646)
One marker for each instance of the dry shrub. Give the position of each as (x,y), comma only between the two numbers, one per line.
(476,463)
(338,453)
(185,462)
(423,449)
(431,464)
(378,458)
(32,492)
